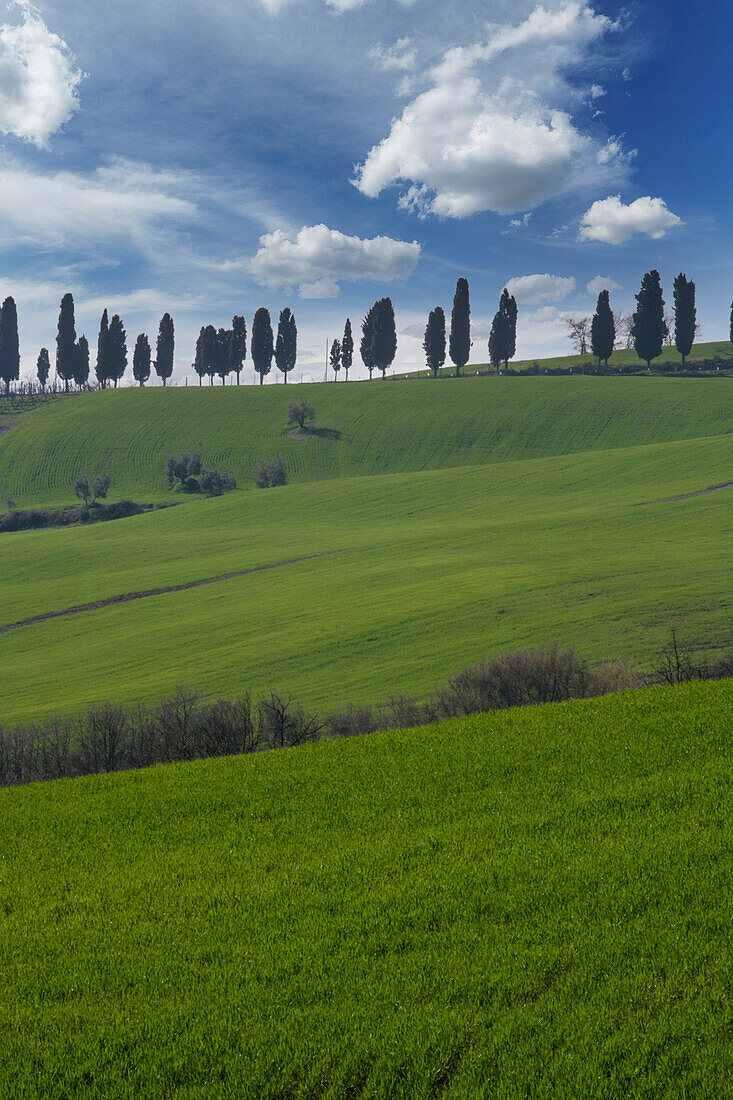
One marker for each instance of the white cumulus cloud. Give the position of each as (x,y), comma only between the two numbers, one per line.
(532,289)
(497,136)
(317,258)
(612,222)
(38,78)
(601,282)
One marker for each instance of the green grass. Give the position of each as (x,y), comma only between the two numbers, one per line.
(361,428)
(435,570)
(534,903)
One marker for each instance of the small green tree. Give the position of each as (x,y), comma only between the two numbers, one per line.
(298,412)
(184,470)
(43,368)
(90,494)
(335,357)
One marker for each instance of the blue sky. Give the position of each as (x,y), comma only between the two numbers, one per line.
(207,157)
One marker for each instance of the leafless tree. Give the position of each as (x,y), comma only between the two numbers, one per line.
(579,333)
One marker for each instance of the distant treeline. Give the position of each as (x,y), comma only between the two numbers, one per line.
(222,352)
(109,738)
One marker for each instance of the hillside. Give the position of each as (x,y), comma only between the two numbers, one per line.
(361,428)
(529,903)
(381,583)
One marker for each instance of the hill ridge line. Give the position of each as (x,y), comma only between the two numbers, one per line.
(165,590)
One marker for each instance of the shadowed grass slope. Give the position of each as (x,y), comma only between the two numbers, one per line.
(534,903)
(433,570)
(361,428)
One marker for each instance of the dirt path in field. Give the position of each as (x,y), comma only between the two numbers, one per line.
(127,597)
(689,496)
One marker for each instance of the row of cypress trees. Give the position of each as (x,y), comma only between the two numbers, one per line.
(648,326)
(502,339)
(220,352)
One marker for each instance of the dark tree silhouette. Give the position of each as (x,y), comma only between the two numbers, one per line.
(649,327)
(508,306)
(685,315)
(335,357)
(731,323)
(102,370)
(460,326)
(221,356)
(497,340)
(9,344)
(141,359)
(347,348)
(367,336)
(434,341)
(603,329)
(66,342)
(199,364)
(262,343)
(43,368)
(384,338)
(164,348)
(286,345)
(81,366)
(238,346)
(117,343)
(210,351)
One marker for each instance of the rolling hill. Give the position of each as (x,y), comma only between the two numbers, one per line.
(530,903)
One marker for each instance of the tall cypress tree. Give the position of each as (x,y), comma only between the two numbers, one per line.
(199,364)
(164,348)
(347,349)
(81,366)
(9,344)
(367,336)
(117,343)
(102,370)
(262,343)
(508,307)
(434,341)
(286,343)
(603,329)
(66,341)
(141,360)
(384,339)
(43,368)
(648,327)
(238,346)
(223,340)
(460,326)
(685,315)
(210,352)
(335,358)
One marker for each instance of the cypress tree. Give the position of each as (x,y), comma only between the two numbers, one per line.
(209,351)
(460,326)
(141,359)
(603,329)
(648,326)
(685,315)
(66,341)
(335,357)
(497,340)
(164,348)
(286,345)
(347,349)
(367,336)
(434,341)
(81,365)
(221,357)
(43,368)
(199,362)
(9,344)
(117,345)
(102,369)
(384,338)
(508,307)
(238,346)
(262,343)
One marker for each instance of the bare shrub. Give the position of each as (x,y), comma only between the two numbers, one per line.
(615,674)
(677,664)
(515,679)
(285,723)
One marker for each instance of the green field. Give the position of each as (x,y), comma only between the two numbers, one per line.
(534,903)
(420,572)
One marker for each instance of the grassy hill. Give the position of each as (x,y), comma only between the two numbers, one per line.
(361,428)
(530,903)
(418,575)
